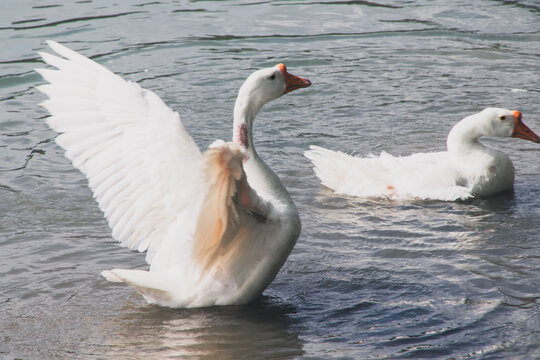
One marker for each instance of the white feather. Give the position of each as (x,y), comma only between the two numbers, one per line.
(107,124)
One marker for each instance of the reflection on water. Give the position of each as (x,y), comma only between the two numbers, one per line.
(261,330)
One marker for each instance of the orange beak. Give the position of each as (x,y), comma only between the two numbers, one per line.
(522,131)
(292,82)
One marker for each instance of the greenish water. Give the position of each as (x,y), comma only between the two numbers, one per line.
(367,279)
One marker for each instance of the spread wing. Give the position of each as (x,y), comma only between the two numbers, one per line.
(141,164)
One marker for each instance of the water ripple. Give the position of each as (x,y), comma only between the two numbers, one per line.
(67,21)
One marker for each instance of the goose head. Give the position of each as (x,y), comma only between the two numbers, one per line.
(495,122)
(259,88)
(505,123)
(268,84)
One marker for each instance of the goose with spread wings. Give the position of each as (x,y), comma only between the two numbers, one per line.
(217,226)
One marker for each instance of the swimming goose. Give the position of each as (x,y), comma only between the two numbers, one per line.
(467,169)
(217,226)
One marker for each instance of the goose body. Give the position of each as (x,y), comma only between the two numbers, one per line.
(217,226)
(468,168)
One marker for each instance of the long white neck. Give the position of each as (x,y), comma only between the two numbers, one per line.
(259,174)
(464,136)
(244,115)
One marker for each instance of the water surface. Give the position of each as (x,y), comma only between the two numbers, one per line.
(367,279)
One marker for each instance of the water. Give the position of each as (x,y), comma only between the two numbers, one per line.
(367,279)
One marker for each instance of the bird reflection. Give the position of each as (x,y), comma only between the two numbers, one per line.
(256,331)
(458,223)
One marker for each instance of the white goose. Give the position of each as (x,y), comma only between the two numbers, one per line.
(467,169)
(217,226)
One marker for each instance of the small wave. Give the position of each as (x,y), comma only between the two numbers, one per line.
(66,21)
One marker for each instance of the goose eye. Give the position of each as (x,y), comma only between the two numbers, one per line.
(273,77)
(502,117)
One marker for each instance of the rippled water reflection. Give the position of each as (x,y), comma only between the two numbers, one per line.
(367,279)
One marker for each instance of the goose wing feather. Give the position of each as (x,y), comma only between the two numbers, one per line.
(141,163)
